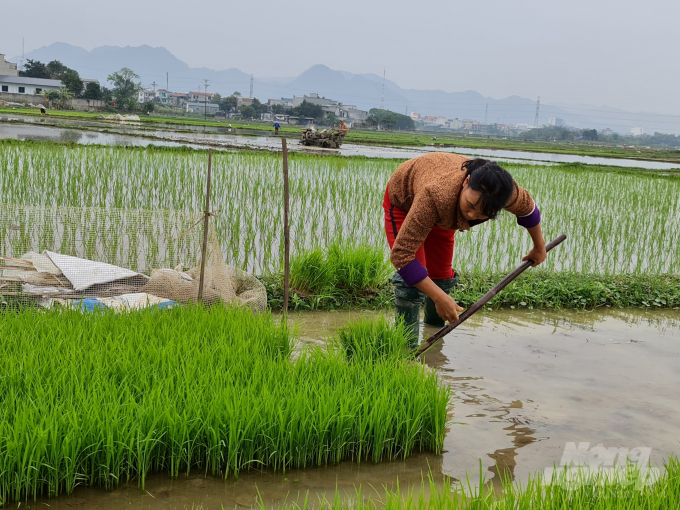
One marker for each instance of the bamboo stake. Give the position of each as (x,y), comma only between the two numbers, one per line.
(206,223)
(286,228)
(484,300)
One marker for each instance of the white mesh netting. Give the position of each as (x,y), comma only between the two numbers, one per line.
(115,258)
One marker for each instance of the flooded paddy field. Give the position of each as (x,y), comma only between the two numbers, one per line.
(525,384)
(137,134)
(333,200)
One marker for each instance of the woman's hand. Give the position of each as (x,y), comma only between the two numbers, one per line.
(447,308)
(537,254)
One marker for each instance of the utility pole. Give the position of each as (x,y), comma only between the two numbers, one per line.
(205,113)
(154,86)
(23,61)
(167,80)
(538,104)
(382,100)
(251,86)
(486,113)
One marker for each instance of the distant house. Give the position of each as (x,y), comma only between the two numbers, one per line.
(352,113)
(178,99)
(331,106)
(88,80)
(244,101)
(199,97)
(284,101)
(7,68)
(145,95)
(281,118)
(23,85)
(194,107)
(454,124)
(162,96)
(12,83)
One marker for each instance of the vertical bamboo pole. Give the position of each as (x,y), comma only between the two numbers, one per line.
(206,224)
(286,227)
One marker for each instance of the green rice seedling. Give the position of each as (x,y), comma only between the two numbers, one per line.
(339,200)
(374,340)
(358,268)
(341,268)
(102,399)
(559,493)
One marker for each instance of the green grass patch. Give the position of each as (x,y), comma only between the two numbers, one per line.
(102,399)
(535,289)
(547,289)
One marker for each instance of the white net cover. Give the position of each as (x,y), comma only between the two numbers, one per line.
(115,258)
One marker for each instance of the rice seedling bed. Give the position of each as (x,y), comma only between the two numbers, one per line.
(102,399)
(619,222)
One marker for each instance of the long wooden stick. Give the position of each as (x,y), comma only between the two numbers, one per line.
(484,300)
(286,227)
(206,223)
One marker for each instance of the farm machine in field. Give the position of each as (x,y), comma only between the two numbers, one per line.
(327,138)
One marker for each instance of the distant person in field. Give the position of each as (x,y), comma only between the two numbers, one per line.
(426,201)
(276,127)
(343,128)
(43,112)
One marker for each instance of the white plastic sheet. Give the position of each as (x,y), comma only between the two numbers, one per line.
(83,273)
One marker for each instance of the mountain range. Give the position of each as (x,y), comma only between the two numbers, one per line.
(159,66)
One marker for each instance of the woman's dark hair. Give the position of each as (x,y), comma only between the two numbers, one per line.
(493,182)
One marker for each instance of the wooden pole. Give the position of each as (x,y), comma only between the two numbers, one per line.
(286,228)
(484,300)
(206,225)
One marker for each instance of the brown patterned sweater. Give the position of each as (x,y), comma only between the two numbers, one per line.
(428,188)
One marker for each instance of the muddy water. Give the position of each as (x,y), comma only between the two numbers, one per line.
(525,384)
(136,134)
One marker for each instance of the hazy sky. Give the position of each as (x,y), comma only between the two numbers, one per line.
(623,53)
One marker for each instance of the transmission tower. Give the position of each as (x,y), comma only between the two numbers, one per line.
(206,85)
(251,86)
(538,104)
(382,99)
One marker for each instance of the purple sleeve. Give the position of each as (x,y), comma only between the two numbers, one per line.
(413,273)
(530,220)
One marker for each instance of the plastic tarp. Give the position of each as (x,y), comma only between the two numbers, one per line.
(41,263)
(124,302)
(83,273)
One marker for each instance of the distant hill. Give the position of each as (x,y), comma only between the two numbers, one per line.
(362,90)
(151,64)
